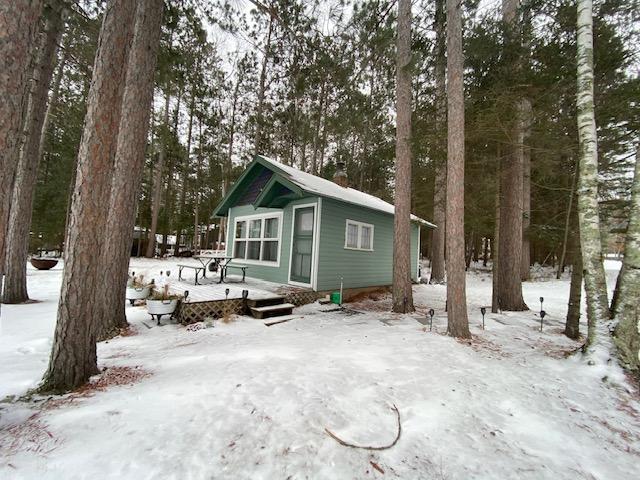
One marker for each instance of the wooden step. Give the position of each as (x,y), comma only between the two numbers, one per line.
(269,311)
(277,320)
(264,302)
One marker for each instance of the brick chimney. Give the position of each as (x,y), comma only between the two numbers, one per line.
(340,177)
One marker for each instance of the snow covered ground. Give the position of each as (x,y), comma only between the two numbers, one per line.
(245,401)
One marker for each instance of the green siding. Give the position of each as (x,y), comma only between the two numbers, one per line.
(357,268)
(270,273)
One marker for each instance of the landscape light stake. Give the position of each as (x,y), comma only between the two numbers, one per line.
(541,302)
(186,295)
(431,313)
(483,311)
(542,315)
(245,295)
(226,294)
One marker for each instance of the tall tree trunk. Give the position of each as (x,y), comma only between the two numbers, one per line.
(17,244)
(615,297)
(19,24)
(628,311)
(402,293)
(196,220)
(157,178)
(567,225)
(187,161)
(323,142)
(485,251)
(53,101)
(129,164)
(458,322)
(228,164)
(572,325)
(526,116)
(440,177)
(511,185)
(495,248)
(316,135)
(73,357)
(257,141)
(594,277)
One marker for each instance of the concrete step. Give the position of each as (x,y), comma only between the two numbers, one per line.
(269,311)
(264,302)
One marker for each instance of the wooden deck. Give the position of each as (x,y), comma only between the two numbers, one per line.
(210,299)
(211,290)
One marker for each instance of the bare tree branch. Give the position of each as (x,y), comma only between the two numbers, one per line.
(385,447)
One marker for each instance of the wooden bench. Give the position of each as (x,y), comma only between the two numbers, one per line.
(223,272)
(198,270)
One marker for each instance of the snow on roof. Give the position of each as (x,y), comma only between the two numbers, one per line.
(327,188)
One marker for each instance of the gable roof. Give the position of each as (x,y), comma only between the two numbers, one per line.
(325,188)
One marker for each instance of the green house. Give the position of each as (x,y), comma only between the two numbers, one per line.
(290,227)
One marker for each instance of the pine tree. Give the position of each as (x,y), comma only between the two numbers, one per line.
(402,290)
(440,176)
(19,30)
(574,308)
(458,323)
(73,357)
(15,288)
(129,162)
(511,186)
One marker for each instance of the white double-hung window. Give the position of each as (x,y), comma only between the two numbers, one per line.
(257,238)
(358,236)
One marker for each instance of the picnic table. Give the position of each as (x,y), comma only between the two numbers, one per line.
(220,261)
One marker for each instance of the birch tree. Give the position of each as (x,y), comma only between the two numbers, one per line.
(402,289)
(627,333)
(73,358)
(18,30)
(590,243)
(458,323)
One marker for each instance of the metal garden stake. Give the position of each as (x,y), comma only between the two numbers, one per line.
(245,295)
(483,311)
(431,313)
(542,315)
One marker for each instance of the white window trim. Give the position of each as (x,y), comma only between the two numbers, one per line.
(359,225)
(262,217)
